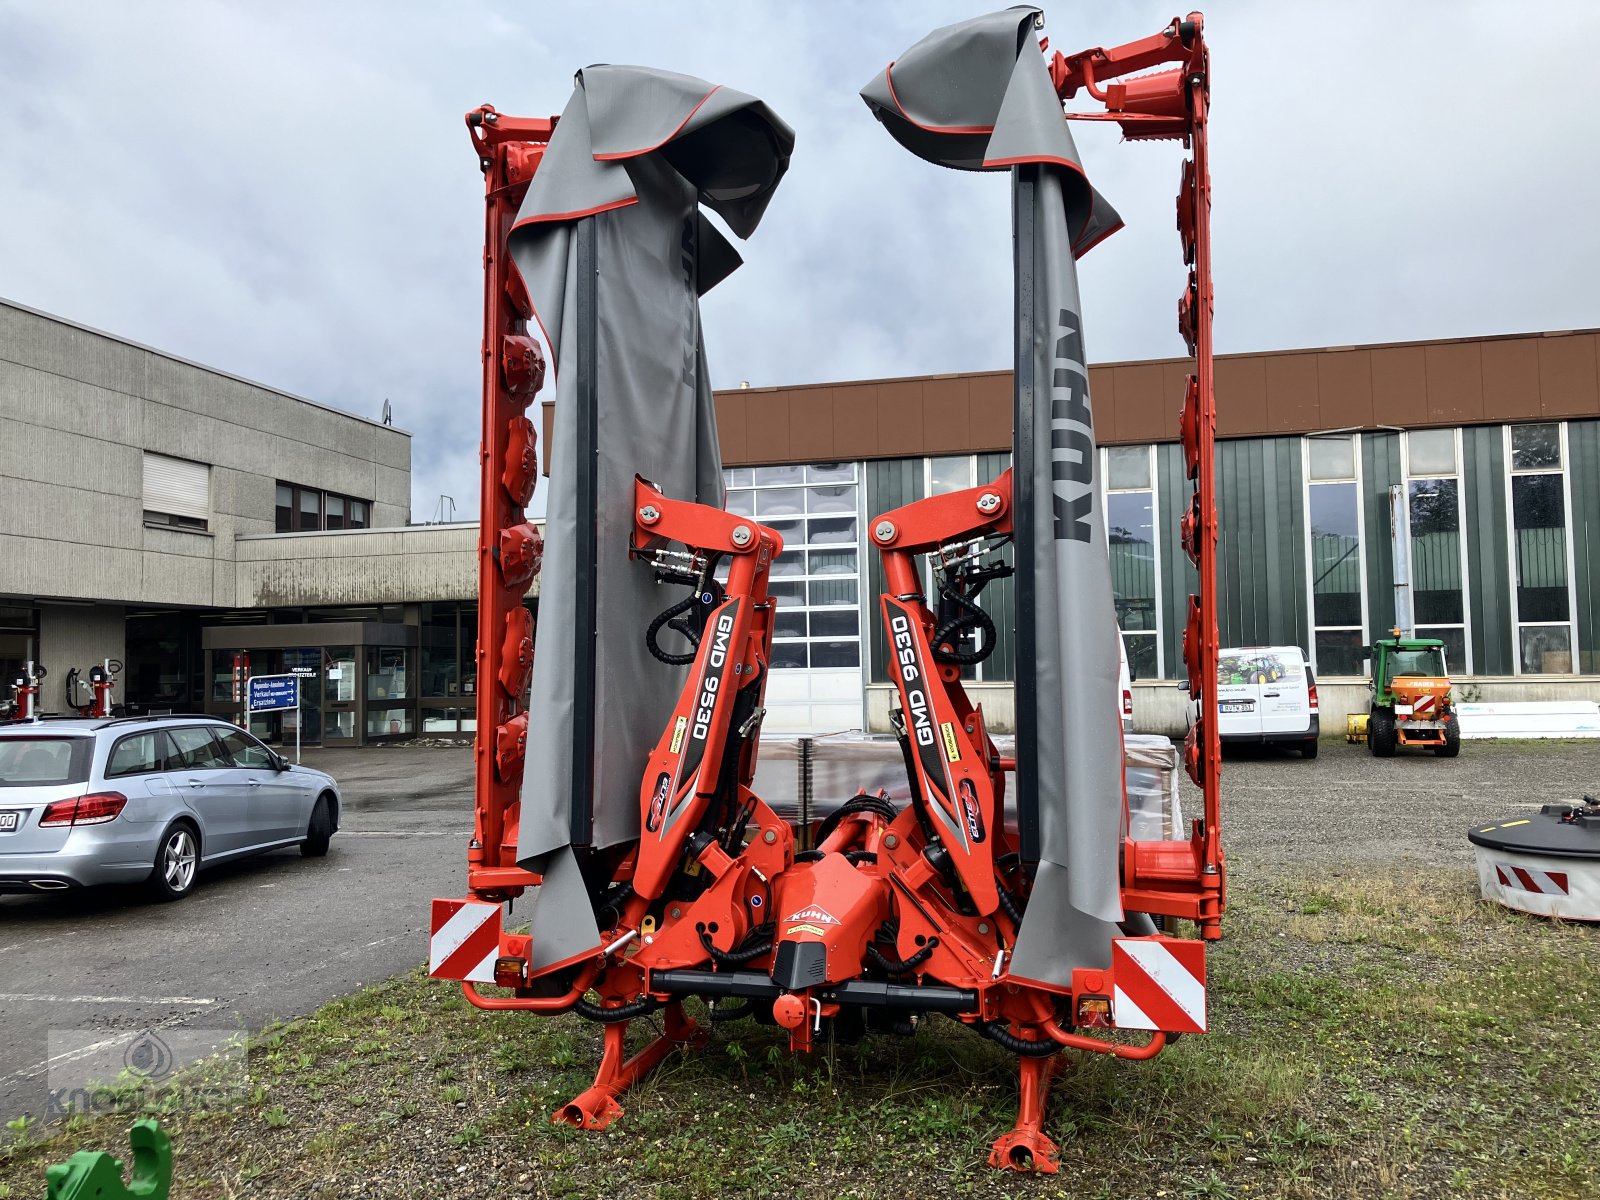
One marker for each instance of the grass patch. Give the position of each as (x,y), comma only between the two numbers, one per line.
(1375,1033)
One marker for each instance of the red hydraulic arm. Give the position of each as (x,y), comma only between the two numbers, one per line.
(1178,879)
(509,547)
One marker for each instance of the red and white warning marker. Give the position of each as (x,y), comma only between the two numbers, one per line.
(1532,879)
(465,940)
(1546,885)
(1158,983)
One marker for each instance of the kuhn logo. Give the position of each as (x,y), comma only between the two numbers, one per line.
(970,811)
(1071,434)
(905,654)
(658,802)
(814,914)
(721,637)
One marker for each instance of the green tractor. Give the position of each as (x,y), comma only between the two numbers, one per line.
(1411,700)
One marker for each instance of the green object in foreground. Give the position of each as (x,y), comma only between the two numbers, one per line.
(96,1175)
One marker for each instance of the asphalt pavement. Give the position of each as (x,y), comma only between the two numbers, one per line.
(269,938)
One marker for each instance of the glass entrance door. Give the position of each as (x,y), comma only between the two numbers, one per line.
(341,689)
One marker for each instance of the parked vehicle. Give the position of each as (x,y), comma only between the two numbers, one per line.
(1412,704)
(148,800)
(1268,694)
(1124,685)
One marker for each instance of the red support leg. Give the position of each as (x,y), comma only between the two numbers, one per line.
(598,1107)
(1026,1148)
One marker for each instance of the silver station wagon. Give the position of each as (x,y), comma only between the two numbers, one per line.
(149,800)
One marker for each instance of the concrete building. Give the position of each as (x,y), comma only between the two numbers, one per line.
(169,516)
(201,528)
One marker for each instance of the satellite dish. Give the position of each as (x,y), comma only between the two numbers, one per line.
(388,413)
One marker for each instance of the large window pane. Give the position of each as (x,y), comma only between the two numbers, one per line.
(1128,467)
(1435,550)
(285,507)
(789,624)
(1546,649)
(310,510)
(830,531)
(835,624)
(742,503)
(1455,646)
(335,506)
(1535,446)
(780,502)
(1538,515)
(1335,554)
(831,473)
(841,499)
(1130,526)
(1431,451)
(836,654)
(1141,649)
(787,655)
(736,477)
(833,591)
(786,473)
(1333,457)
(949,474)
(833,562)
(440,673)
(1339,652)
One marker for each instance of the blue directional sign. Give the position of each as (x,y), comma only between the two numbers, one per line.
(273,693)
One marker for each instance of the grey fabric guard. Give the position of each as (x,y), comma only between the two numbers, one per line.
(977,96)
(636,152)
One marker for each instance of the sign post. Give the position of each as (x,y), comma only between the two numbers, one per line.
(274,693)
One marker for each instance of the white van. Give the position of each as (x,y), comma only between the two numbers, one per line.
(1267,694)
(1125,686)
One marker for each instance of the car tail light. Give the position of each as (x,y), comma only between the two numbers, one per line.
(1313,698)
(1094,1012)
(1127,703)
(94,809)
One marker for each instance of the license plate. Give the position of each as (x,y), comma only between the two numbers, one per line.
(1236,705)
(10,821)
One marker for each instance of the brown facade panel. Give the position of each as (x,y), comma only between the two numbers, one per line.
(1510,379)
(811,433)
(766,426)
(900,432)
(1455,383)
(1567,382)
(1241,396)
(732,422)
(1344,388)
(854,422)
(1399,386)
(946,416)
(990,401)
(1292,394)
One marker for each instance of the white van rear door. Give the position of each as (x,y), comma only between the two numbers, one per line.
(1285,698)
(1238,696)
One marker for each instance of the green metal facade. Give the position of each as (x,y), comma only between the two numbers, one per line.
(1262,575)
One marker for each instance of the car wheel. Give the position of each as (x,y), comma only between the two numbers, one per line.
(1381,736)
(177,862)
(319,830)
(1309,747)
(1452,738)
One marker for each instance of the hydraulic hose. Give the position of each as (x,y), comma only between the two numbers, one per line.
(996,1031)
(623,1012)
(905,966)
(732,1012)
(730,958)
(667,618)
(971,617)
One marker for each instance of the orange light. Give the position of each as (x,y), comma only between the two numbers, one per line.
(1094,1012)
(510,971)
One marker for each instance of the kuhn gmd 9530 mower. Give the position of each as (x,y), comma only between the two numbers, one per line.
(617,746)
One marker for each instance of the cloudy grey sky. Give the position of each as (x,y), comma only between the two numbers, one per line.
(285,190)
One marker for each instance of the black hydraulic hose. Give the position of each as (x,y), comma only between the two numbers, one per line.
(860,802)
(623,1012)
(996,1031)
(730,958)
(971,617)
(903,966)
(1008,902)
(666,656)
(732,1012)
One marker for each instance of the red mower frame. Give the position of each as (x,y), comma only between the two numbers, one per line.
(897,911)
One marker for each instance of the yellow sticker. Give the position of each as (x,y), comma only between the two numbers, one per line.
(816,929)
(677,733)
(1509,824)
(952,750)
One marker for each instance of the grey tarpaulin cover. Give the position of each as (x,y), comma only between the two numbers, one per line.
(636,152)
(977,96)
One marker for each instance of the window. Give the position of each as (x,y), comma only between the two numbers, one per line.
(1433,508)
(194,749)
(1337,574)
(304,510)
(1539,549)
(177,492)
(136,755)
(817,578)
(245,750)
(28,761)
(1130,510)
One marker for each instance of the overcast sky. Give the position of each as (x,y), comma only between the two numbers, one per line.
(286,191)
